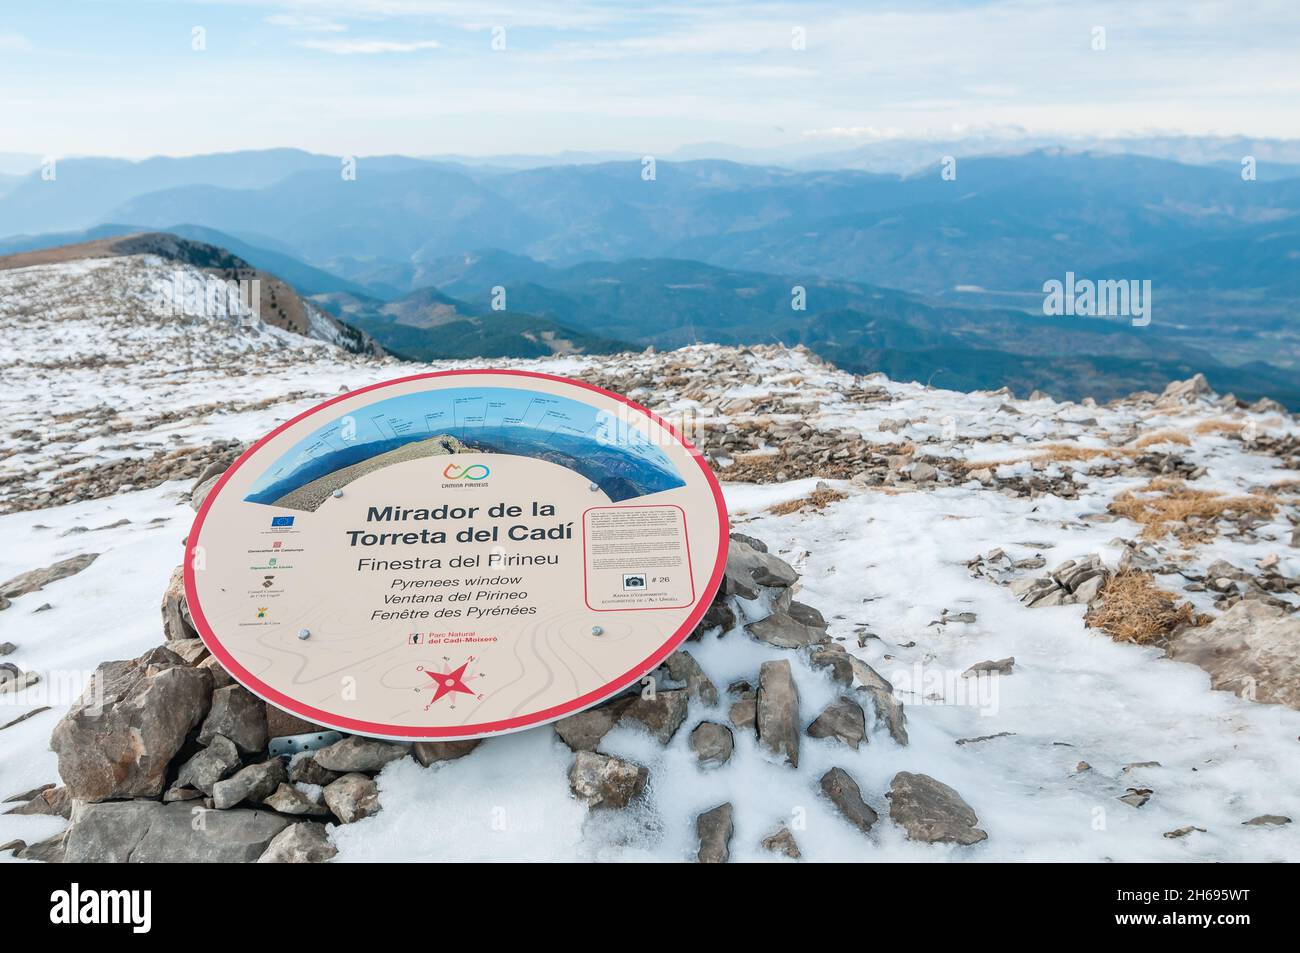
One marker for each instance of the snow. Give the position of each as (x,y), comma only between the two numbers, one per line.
(881,566)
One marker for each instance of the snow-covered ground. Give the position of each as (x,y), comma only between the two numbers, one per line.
(881,563)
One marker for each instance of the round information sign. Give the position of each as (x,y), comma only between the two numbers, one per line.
(455,555)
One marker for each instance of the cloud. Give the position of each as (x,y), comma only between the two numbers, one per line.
(14,43)
(306,23)
(368,47)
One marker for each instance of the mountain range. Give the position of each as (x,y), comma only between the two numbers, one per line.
(601,256)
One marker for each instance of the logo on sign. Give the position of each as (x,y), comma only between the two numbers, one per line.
(475,472)
(281,520)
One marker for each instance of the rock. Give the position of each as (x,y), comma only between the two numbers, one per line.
(239,715)
(201,491)
(683,668)
(14,679)
(355,753)
(833,659)
(281,724)
(714,830)
(176,620)
(744,711)
(1252,650)
(1002,666)
(843,719)
(1267,820)
(602,781)
(253,783)
(777,710)
(29,794)
(37,579)
(662,715)
(52,850)
(749,568)
(583,731)
(868,677)
(220,677)
(303,769)
(1183,832)
(190,651)
(287,799)
(1184,392)
(352,797)
(118,740)
(52,801)
(430,752)
(179,793)
(7,648)
(712,743)
(781,841)
(305,843)
(922,473)
(845,794)
(209,765)
(16,845)
(1081,767)
(889,712)
(930,811)
(1136,797)
(151,832)
(981,738)
(786,632)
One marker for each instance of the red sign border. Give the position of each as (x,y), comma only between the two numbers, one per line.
(414,733)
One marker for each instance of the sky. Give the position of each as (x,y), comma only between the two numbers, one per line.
(430,77)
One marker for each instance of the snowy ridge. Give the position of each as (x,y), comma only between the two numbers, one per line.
(883,553)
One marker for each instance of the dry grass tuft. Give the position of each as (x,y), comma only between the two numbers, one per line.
(1161,436)
(1132,608)
(1219,426)
(1166,505)
(818,500)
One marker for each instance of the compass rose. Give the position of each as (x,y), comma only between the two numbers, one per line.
(449,683)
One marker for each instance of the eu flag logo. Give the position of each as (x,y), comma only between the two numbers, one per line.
(281,520)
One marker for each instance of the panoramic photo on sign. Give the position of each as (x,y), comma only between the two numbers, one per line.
(454,555)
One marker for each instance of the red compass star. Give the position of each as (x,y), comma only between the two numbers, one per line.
(448,682)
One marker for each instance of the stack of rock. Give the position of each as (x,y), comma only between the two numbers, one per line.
(165,757)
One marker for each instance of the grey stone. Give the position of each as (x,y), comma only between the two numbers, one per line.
(1252,650)
(287,799)
(304,843)
(305,770)
(683,668)
(1136,797)
(253,783)
(744,711)
(120,737)
(889,712)
(220,677)
(352,797)
(834,660)
(430,752)
(842,719)
(712,743)
(239,715)
(1267,820)
(209,765)
(179,835)
(52,850)
(786,632)
(36,579)
(714,829)
(931,811)
(748,569)
(777,714)
(584,731)
(603,781)
(1002,666)
(7,648)
(52,801)
(355,753)
(177,624)
(839,786)
(781,841)
(661,715)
